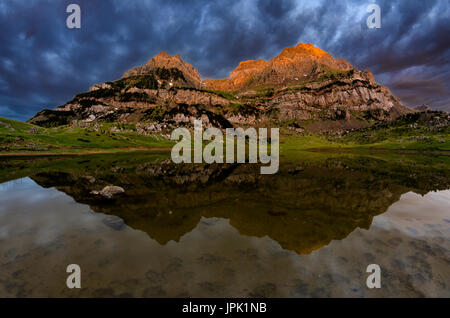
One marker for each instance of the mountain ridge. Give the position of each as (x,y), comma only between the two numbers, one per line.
(300,85)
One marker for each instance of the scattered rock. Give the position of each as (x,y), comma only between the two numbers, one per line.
(33,131)
(91,179)
(7,126)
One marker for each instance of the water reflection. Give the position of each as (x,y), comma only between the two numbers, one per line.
(224,230)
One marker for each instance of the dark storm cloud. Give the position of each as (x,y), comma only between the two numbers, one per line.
(43,64)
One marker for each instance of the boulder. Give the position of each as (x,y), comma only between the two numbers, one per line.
(109,192)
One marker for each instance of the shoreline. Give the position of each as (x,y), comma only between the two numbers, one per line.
(380,150)
(122,150)
(96,152)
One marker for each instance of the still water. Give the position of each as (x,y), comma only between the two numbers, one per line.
(225,230)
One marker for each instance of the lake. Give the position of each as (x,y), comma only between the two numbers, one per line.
(225,230)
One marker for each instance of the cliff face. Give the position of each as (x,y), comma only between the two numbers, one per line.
(338,98)
(303,83)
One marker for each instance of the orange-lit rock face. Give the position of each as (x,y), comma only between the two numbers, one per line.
(302,49)
(238,77)
(301,63)
(246,70)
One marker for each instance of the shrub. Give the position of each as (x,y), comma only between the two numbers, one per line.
(99,93)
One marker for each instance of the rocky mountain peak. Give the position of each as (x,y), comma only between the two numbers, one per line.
(301,63)
(163,60)
(303,49)
(162,54)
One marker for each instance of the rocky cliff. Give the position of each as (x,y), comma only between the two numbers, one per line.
(303,88)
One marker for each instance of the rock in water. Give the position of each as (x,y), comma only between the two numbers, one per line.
(109,192)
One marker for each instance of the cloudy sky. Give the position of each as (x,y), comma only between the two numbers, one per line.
(43,64)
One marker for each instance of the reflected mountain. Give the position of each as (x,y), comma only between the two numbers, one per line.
(304,207)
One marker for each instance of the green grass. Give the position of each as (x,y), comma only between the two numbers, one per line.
(262,92)
(19,137)
(406,133)
(389,138)
(224,94)
(291,141)
(334,74)
(437,143)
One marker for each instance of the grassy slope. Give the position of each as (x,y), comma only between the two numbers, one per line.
(408,142)
(403,134)
(15,137)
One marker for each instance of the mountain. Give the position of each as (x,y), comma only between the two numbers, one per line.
(303,87)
